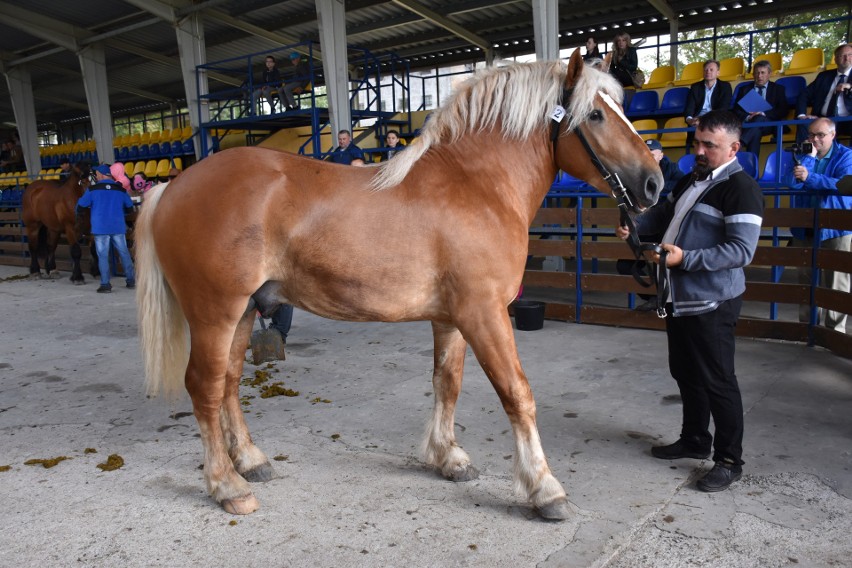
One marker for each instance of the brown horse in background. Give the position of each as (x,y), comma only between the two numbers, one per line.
(48,210)
(439,233)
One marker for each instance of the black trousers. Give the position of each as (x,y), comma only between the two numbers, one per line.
(701,360)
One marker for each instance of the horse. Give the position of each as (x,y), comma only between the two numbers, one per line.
(439,233)
(48,209)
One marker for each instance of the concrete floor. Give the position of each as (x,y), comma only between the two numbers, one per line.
(352,490)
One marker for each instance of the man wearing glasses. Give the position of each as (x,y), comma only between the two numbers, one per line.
(830,93)
(820,171)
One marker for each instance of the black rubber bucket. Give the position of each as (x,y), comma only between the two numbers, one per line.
(529,315)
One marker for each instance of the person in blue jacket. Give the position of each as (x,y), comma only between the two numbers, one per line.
(819,172)
(346,151)
(711,225)
(109,201)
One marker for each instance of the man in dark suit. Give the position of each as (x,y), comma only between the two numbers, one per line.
(774,94)
(829,95)
(704,96)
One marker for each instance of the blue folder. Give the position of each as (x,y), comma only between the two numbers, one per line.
(752,102)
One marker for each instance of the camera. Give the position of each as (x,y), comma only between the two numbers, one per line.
(800,150)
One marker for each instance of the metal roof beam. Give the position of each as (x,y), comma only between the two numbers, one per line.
(439,20)
(662,6)
(43,27)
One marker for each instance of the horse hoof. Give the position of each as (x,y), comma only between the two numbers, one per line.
(263,472)
(241,505)
(35,276)
(78,282)
(463,473)
(556,510)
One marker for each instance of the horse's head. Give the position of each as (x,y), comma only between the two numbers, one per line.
(82,171)
(595,128)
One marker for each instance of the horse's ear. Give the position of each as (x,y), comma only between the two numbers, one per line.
(607,60)
(575,69)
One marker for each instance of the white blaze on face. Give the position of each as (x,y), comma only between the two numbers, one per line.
(617,109)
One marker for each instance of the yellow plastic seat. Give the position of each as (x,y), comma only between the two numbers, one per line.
(646,124)
(774,60)
(660,77)
(692,73)
(163,167)
(128,169)
(145,138)
(177,163)
(806,61)
(139,167)
(831,66)
(673,139)
(731,69)
(186,133)
(151,169)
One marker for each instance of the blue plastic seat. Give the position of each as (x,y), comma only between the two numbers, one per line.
(793,85)
(177,148)
(188,147)
(123,154)
(133,153)
(771,173)
(686,162)
(643,103)
(143,151)
(736,94)
(165,148)
(748,161)
(674,101)
(154,150)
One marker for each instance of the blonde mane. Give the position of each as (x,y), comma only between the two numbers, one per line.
(519,97)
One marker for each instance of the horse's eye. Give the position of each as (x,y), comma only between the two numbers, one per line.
(596,115)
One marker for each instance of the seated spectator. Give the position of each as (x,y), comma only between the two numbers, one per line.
(64,169)
(774,94)
(14,157)
(300,80)
(346,151)
(394,144)
(819,171)
(625,60)
(592,51)
(271,81)
(704,96)
(671,172)
(829,94)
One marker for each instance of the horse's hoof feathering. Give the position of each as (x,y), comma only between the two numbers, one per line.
(462,473)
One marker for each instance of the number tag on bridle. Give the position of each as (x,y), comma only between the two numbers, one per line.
(558,113)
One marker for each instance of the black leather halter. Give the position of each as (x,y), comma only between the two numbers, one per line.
(622,197)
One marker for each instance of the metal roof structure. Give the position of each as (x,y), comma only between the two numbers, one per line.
(142,54)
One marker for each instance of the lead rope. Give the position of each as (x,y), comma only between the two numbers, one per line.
(619,192)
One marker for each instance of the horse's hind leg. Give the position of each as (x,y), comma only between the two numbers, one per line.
(440,448)
(205,382)
(50,261)
(493,342)
(249,460)
(33,246)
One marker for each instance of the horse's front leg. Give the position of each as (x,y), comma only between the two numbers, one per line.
(490,334)
(248,459)
(439,446)
(205,382)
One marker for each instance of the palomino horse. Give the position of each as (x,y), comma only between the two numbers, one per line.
(439,233)
(48,210)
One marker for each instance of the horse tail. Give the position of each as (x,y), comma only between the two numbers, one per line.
(163,330)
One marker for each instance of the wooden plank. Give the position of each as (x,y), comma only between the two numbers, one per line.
(834,300)
(787,217)
(838,260)
(560,311)
(552,247)
(606,250)
(838,343)
(780,292)
(769,329)
(545,279)
(835,219)
(621,317)
(782,256)
(604,217)
(612,283)
(555,216)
